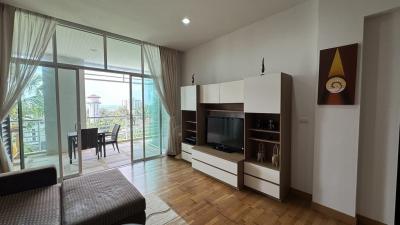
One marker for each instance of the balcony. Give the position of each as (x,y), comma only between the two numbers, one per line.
(40,122)
(36,152)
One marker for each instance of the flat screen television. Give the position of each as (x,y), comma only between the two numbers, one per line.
(225,133)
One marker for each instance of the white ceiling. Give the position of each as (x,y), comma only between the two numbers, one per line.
(159,21)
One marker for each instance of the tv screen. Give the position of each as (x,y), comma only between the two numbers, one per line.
(225,133)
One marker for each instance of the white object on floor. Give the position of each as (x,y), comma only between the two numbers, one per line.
(158,212)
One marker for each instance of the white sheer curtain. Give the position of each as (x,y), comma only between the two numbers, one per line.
(6,30)
(163,69)
(30,37)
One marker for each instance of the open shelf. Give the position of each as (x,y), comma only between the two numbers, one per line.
(192,122)
(265,131)
(189,125)
(258,133)
(264,140)
(224,110)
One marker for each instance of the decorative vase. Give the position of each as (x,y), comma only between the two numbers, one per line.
(271,125)
(260,153)
(262,67)
(275,156)
(259,124)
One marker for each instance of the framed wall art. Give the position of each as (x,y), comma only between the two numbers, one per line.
(337,75)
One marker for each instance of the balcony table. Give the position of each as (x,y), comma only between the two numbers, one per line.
(73,135)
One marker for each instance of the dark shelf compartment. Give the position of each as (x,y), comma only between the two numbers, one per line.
(264,131)
(224,110)
(264,140)
(191,122)
(189,125)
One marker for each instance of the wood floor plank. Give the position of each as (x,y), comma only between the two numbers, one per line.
(199,199)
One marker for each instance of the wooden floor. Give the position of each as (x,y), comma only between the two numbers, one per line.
(199,199)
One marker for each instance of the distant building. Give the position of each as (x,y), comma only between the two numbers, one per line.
(93,102)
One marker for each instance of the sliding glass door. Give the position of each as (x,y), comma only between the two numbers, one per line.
(87,78)
(68,90)
(58,102)
(137,118)
(38,120)
(152,118)
(107,98)
(41,121)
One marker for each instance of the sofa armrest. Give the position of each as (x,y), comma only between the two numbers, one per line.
(28,179)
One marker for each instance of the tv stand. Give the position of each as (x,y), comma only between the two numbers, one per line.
(264,102)
(226,167)
(220,147)
(223,148)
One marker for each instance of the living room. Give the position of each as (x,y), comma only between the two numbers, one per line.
(199,112)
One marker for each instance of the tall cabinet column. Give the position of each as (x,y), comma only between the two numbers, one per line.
(267,107)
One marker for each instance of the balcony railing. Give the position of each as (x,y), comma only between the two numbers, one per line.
(34,135)
(106,123)
(34,131)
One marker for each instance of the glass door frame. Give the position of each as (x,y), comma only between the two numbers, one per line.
(58,122)
(78,122)
(78,73)
(144,158)
(54,64)
(79,68)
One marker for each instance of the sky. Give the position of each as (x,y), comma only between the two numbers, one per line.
(113,93)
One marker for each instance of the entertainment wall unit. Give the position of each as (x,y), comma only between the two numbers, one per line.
(255,152)
(189,105)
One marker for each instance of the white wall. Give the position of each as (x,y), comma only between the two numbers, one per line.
(380,118)
(288,41)
(337,127)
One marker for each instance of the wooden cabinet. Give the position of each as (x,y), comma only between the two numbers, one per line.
(231,92)
(226,167)
(209,93)
(187,152)
(228,92)
(189,97)
(267,106)
(189,108)
(262,172)
(262,186)
(262,94)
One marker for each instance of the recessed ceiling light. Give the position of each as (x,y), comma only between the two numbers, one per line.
(185,20)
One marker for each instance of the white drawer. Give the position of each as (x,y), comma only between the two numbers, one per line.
(187,148)
(262,186)
(186,156)
(215,161)
(216,173)
(262,172)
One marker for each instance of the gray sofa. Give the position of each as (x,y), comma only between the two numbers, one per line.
(33,197)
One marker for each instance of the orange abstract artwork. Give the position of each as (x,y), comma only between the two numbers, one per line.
(337,75)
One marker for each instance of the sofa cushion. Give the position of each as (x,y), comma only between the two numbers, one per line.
(38,206)
(100,198)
